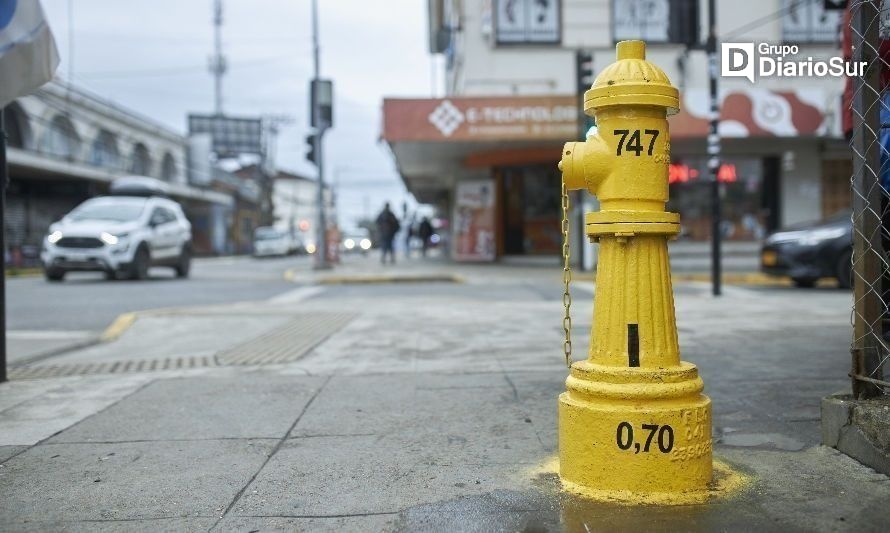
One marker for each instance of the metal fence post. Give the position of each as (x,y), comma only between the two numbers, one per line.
(868,346)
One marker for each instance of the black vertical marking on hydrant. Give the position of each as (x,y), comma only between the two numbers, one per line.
(633,345)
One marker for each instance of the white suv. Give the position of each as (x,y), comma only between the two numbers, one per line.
(119,235)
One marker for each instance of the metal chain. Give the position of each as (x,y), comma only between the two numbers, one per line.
(566,277)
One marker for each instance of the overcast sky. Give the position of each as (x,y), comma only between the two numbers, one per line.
(151,56)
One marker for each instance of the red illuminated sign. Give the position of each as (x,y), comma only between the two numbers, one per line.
(681,173)
(726,173)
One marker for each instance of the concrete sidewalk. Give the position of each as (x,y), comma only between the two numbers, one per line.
(421,406)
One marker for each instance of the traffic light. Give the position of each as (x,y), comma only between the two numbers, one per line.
(584,70)
(321,95)
(311,156)
(584,78)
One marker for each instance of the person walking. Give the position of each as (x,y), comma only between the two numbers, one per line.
(409,235)
(387,227)
(425,231)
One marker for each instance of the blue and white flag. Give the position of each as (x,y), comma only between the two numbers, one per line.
(28,55)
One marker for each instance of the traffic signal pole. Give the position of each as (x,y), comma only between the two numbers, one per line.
(583,80)
(321,248)
(714,151)
(4,178)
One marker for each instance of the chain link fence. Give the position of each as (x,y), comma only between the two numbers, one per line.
(869,33)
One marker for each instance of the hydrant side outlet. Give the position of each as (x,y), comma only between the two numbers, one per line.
(633,422)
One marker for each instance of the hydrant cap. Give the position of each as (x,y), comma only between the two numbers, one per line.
(632,80)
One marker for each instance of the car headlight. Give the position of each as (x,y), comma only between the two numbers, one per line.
(310,248)
(785,236)
(108,238)
(349,244)
(54,237)
(818,236)
(365,244)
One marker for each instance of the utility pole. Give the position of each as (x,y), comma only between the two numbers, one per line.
(321,248)
(273,123)
(714,149)
(217,61)
(4,178)
(70,45)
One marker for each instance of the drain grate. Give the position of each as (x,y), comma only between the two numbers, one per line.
(284,344)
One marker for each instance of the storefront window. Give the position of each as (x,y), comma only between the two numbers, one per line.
(527,21)
(746,202)
(531,210)
(807,21)
(656,21)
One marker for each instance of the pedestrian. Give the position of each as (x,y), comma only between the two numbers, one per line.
(387,227)
(425,231)
(409,234)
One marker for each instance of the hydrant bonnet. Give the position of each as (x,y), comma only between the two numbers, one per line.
(632,80)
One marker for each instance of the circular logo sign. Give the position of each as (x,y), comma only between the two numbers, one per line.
(7,10)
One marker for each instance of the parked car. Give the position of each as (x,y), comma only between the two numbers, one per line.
(269,241)
(120,235)
(808,252)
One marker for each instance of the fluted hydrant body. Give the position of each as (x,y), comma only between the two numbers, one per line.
(633,422)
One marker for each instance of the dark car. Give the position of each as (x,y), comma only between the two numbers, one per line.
(808,252)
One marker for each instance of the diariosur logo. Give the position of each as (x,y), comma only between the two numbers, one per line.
(745,60)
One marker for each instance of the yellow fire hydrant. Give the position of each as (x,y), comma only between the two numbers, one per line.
(633,422)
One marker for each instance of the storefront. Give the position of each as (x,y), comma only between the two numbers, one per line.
(783,162)
(490,165)
(750,203)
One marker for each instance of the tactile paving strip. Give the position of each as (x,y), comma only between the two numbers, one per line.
(110,367)
(287,343)
(284,344)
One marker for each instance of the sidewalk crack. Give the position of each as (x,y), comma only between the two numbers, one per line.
(274,451)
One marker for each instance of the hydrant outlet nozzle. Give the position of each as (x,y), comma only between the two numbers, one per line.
(585,164)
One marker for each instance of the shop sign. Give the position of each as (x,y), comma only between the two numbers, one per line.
(683,173)
(756,113)
(476,119)
(744,113)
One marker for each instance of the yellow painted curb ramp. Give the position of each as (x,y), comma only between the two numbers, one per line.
(634,425)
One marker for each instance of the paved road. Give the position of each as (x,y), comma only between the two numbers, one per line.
(87,302)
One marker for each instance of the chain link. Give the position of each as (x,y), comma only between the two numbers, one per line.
(566,277)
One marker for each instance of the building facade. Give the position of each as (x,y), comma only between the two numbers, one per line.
(486,151)
(295,205)
(66,145)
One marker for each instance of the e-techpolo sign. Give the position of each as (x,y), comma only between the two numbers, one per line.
(474,119)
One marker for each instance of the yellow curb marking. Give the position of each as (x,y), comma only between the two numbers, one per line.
(14,272)
(344,280)
(117,328)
